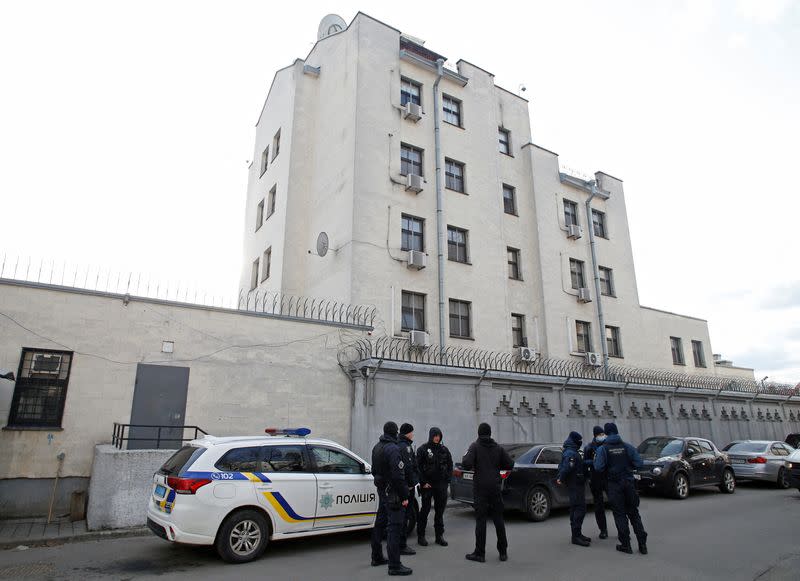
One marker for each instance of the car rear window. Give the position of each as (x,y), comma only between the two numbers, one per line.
(516,450)
(181,460)
(756,447)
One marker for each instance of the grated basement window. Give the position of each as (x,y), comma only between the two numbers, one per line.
(41,388)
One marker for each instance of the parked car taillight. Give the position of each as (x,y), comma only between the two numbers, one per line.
(757,460)
(504,474)
(458,473)
(186,485)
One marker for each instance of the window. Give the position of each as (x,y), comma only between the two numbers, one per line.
(259,215)
(267,264)
(549,456)
(456,244)
(413,312)
(454,175)
(276,144)
(459,319)
(254,275)
(606,281)
(513,263)
(452,110)
(271,206)
(410,160)
(570,213)
(412,233)
(334,461)
(41,388)
(699,356)
(241,460)
(706,446)
(677,350)
(264,160)
(583,332)
(410,92)
(576,273)
(509,200)
(599,223)
(283,459)
(693,448)
(612,341)
(518,330)
(504,138)
(779,450)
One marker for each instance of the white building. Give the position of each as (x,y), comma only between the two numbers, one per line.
(335,144)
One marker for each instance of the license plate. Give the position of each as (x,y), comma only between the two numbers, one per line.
(468,475)
(160,491)
(738,461)
(637,476)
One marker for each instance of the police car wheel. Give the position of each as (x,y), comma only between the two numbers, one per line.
(537,506)
(242,537)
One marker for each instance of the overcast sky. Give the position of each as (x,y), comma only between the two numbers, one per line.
(126,128)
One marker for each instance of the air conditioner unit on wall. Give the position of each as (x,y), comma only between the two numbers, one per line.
(584,295)
(574,231)
(412,111)
(526,354)
(594,359)
(46,363)
(417,260)
(419,339)
(414,183)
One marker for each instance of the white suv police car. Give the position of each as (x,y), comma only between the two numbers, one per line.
(238,493)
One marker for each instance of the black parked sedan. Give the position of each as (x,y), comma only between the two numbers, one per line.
(529,487)
(673,466)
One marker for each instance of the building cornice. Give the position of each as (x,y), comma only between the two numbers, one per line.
(431,66)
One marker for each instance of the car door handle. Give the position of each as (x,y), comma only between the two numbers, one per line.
(326,485)
(265,488)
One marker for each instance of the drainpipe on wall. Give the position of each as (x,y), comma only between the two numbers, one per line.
(596,271)
(440,232)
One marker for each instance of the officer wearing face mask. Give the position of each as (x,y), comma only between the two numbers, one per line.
(597,481)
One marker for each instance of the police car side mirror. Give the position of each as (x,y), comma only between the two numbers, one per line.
(366,469)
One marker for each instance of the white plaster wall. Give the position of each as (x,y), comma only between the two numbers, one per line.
(246,372)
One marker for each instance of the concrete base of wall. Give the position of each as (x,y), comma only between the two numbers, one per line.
(120,486)
(30,497)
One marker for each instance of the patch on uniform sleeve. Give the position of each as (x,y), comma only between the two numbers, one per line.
(400,465)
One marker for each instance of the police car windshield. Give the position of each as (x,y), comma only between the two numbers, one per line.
(659,447)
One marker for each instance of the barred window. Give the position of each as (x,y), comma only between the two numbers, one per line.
(410,160)
(454,175)
(41,388)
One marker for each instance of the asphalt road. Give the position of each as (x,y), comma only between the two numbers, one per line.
(753,534)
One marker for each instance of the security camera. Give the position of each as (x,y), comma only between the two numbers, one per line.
(5,374)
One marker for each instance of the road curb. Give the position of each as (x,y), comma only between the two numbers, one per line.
(90,536)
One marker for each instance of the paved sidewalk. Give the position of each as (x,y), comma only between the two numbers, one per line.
(36,532)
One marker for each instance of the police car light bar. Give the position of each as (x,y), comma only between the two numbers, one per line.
(288,432)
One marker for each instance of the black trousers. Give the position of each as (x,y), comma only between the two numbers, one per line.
(437,496)
(411,517)
(388,521)
(597,486)
(577,506)
(489,506)
(624,500)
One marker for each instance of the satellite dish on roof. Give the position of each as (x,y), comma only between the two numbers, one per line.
(329,25)
(322,244)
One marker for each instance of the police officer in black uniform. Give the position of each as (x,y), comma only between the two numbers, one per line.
(412,479)
(597,481)
(435,472)
(616,460)
(389,475)
(571,473)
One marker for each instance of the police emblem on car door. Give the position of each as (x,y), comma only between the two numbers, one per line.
(346,492)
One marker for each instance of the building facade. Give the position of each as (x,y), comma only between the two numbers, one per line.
(340,133)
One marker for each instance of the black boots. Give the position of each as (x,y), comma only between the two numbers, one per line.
(643,548)
(440,541)
(475,557)
(401,570)
(422,541)
(625,549)
(603,534)
(407,551)
(581,541)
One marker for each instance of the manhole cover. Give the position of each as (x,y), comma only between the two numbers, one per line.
(29,570)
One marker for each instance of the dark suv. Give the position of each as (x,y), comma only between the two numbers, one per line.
(674,465)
